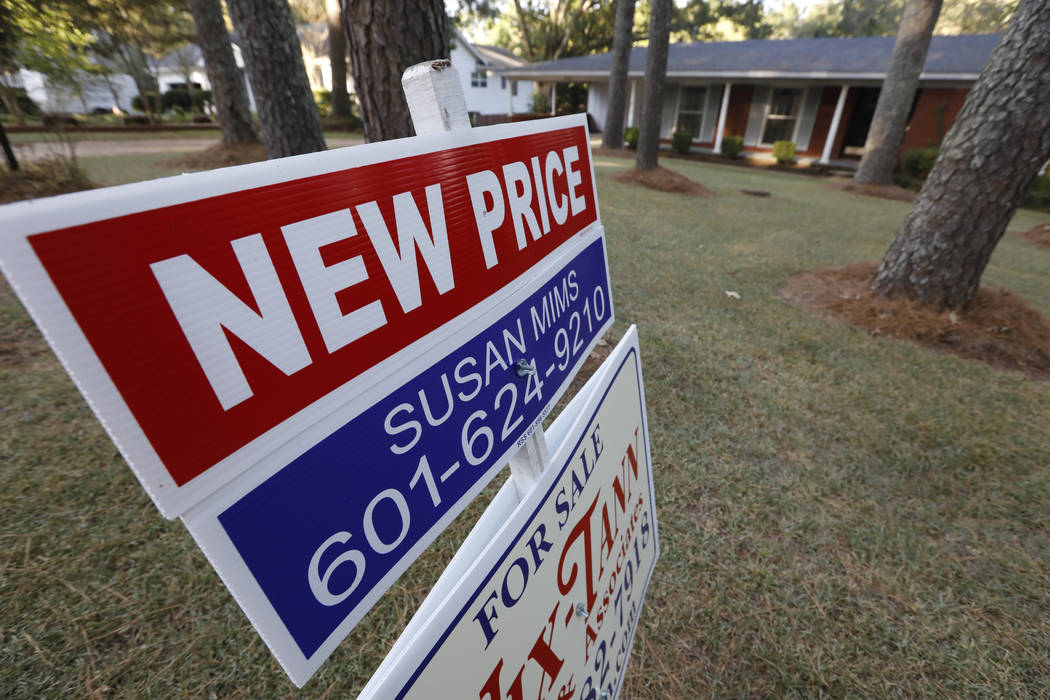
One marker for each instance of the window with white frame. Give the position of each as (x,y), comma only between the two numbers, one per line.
(691,101)
(782,115)
(480,76)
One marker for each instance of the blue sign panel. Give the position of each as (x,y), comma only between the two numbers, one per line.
(323,532)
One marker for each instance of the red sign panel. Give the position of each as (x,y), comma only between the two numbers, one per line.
(218,319)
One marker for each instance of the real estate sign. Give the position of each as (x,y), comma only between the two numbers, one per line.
(211,318)
(550,606)
(318,361)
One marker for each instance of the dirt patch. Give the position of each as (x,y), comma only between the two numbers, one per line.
(884,191)
(999,328)
(219,156)
(1040,234)
(664,180)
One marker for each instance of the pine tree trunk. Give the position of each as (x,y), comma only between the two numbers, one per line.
(623,38)
(653,95)
(385,38)
(987,161)
(227,87)
(337,57)
(274,60)
(886,134)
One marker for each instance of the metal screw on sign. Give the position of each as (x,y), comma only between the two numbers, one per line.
(524,369)
(603,695)
(581,610)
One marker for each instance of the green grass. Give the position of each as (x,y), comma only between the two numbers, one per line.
(130,135)
(130,167)
(840,515)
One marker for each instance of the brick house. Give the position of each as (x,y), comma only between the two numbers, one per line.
(818,92)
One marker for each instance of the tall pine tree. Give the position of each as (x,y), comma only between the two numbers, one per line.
(274,60)
(987,162)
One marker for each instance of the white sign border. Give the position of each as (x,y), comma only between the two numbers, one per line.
(497,528)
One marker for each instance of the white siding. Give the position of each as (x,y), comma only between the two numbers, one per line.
(598,103)
(493,98)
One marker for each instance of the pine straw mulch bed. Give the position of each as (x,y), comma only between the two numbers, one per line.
(218,156)
(884,191)
(1040,234)
(664,180)
(999,328)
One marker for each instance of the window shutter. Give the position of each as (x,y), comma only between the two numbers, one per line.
(714,103)
(670,112)
(758,110)
(808,117)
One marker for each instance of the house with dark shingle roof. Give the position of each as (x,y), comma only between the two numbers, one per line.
(819,93)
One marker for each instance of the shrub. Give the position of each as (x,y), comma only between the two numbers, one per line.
(156,102)
(59,119)
(541,103)
(201,119)
(201,98)
(918,162)
(682,141)
(136,119)
(323,100)
(630,137)
(25,103)
(176,100)
(784,151)
(732,145)
(1038,195)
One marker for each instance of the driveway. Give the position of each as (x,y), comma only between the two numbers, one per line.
(88,149)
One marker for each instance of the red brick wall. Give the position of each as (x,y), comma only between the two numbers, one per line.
(922,129)
(825,112)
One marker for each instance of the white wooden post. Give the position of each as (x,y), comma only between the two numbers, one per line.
(631,104)
(833,130)
(720,129)
(435,97)
(510,96)
(554,98)
(436,103)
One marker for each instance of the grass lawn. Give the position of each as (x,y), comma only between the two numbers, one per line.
(839,514)
(129,135)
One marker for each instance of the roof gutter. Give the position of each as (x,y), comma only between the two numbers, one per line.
(735,75)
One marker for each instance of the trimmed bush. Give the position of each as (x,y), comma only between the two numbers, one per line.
(630,137)
(732,145)
(176,100)
(59,119)
(918,162)
(681,141)
(541,103)
(1038,195)
(25,103)
(784,151)
(156,102)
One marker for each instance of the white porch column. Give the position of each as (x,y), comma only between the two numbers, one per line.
(632,102)
(720,129)
(554,98)
(833,130)
(510,96)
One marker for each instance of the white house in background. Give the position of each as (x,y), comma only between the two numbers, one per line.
(488,93)
(118,90)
